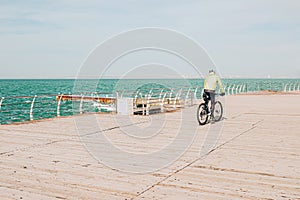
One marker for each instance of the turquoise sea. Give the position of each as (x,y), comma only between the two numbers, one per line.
(18,95)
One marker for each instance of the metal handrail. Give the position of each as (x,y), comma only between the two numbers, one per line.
(27,106)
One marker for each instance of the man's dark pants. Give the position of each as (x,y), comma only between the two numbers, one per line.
(212,95)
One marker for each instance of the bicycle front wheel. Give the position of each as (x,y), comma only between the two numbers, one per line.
(218,112)
(202,114)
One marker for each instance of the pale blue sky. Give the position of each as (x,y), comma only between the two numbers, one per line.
(51,38)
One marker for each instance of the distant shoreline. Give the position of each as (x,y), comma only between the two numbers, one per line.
(144,79)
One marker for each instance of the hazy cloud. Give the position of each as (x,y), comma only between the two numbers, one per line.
(51,38)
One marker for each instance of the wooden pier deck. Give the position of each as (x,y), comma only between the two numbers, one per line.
(257,156)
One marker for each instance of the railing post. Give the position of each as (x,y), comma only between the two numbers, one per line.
(162,102)
(135,99)
(232,89)
(195,94)
(174,103)
(143,106)
(58,105)
(99,104)
(31,108)
(148,102)
(159,98)
(150,92)
(177,97)
(171,94)
(160,94)
(285,86)
(290,88)
(241,87)
(237,89)
(80,105)
(186,97)
(122,94)
(1,102)
(228,89)
(116,102)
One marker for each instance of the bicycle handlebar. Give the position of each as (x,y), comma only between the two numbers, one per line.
(220,94)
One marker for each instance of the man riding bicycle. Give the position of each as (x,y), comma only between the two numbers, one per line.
(210,85)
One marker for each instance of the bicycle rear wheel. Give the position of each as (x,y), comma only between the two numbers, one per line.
(218,112)
(202,114)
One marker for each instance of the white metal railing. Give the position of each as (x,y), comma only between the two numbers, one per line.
(145,102)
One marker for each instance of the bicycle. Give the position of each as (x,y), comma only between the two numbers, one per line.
(204,111)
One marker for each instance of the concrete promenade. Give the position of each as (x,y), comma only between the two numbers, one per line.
(256,156)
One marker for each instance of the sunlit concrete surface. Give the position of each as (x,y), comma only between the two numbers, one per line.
(256,156)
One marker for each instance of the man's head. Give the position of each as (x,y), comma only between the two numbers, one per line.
(211,71)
